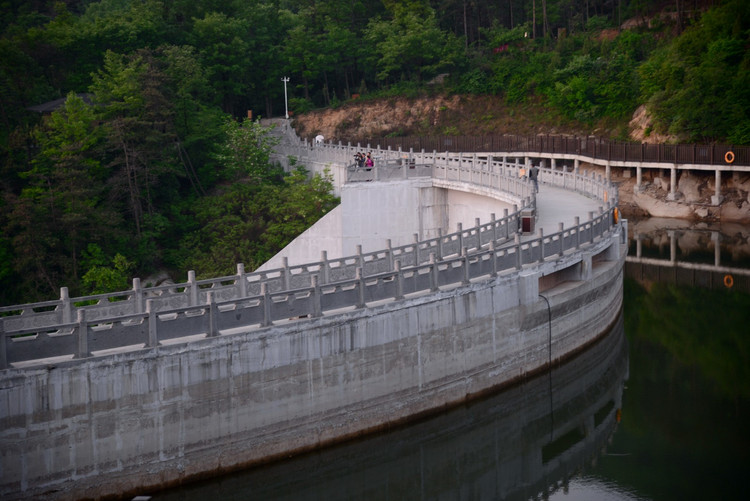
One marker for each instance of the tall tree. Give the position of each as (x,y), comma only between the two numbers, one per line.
(222,44)
(64,206)
(411,44)
(139,122)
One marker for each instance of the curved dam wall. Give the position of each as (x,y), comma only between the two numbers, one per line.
(130,420)
(126,422)
(376,215)
(123,423)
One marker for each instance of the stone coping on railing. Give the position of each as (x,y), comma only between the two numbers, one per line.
(83,337)
(336,283)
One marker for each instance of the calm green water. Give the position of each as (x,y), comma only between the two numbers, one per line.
(657,410)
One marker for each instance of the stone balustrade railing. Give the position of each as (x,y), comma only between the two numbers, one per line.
(80,327)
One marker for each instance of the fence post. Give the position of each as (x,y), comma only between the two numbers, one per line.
(493,258)
(266,305)
(416,250)
(578,232)
(137,295)
(153,339)
(193,292)
(83,335)
(433,273)
(285,274)
(317,310)
(360,262)
(591,220)
(519,257)
(324,267)
(399,280)
(66,306)
(213,313)
(465,255)
(460,231)
(440,244)
(389,251)
(561,227)
(541,245)
(360,288)
(3,353)
(241,282)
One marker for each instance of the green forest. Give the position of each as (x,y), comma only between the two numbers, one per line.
(154,159)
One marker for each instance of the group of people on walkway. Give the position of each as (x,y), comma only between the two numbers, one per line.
(364,161)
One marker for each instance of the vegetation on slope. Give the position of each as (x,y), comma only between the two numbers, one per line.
(148,166)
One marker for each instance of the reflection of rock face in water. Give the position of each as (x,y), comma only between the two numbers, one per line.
(692,239)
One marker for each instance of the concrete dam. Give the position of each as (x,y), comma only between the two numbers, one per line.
(391,316)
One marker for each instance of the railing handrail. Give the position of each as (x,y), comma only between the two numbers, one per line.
(593,147)
(462,247)
(156,290)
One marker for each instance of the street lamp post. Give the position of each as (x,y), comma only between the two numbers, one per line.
(286,108)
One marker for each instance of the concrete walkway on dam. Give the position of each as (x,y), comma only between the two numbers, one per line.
(556,205)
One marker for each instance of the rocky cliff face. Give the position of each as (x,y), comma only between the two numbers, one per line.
(693,200)
(362,120)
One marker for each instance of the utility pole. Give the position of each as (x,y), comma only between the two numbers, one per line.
(286,107)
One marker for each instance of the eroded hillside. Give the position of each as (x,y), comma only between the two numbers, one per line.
(364,120)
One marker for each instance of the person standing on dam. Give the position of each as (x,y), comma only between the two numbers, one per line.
(533,175)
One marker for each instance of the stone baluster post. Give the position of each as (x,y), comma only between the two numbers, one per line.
(399,280)
(192,289)
(317,309)
(360,288)
(213,316)
(82,333)
(266,305)
(153,335)
(324,267)
(519,256)
(541,245)
(66,306)
(416,250)
(137,296)
(241,281)
(465,255)
(493,259)
(286,274)
(434,279)
(3,352)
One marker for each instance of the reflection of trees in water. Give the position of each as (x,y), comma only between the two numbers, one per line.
(688,392)
(693,242)
(701,328)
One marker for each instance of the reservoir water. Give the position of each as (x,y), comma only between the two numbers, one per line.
(656,410)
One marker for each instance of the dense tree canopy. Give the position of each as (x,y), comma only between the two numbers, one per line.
(149,164)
